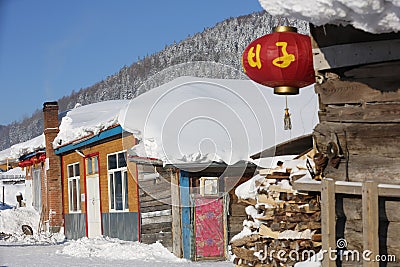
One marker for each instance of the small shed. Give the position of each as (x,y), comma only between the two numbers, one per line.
(210,213)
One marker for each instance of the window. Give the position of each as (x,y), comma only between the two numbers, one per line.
(118,181)
(92,166)
(209,186)
(74,191)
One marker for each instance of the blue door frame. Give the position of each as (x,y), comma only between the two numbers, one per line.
(185,215)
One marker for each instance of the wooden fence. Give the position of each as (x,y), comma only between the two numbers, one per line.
(370,192)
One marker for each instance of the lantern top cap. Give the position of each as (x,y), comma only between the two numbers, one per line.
(285,29)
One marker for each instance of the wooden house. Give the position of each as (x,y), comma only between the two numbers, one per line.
(99,190)
(358,82)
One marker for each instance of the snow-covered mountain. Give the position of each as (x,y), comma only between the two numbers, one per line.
(223,43)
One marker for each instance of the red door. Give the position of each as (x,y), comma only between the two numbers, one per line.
(209,227)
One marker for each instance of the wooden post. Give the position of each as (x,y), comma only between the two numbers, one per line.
(328,220)
(370,216)
(176,214)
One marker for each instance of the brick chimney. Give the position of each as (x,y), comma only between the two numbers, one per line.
(53,184)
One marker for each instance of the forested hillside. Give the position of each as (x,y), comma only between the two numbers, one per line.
(223,44)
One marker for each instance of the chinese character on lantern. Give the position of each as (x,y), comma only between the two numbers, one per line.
(282,60)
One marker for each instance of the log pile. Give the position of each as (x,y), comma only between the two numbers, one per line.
(285,225)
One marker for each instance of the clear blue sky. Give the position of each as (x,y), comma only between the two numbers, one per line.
(49,48)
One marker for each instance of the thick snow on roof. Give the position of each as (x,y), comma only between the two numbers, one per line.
(375,16)
(18,150)
(88,120)
(202,120)
(15,171)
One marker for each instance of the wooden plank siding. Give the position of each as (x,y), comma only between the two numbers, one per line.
(155,208)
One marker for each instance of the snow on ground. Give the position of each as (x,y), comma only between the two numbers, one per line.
(103,252)
(374,16)
(115,249)
(45,249)
(201,120)
(86,120)
(11,220)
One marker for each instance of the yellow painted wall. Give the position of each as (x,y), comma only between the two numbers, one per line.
(102,149)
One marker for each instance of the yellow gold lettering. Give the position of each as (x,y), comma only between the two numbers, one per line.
(254,58)
(285,60)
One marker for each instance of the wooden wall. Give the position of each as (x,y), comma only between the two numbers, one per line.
(237,213)
(359,104)
(155,209)
(360,124)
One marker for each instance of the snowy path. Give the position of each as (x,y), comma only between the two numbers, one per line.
(11,255)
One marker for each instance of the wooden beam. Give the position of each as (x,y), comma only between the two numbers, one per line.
(308,185)
(176,214)
(336,91)
(328,219)
(349,188)
(338,56)
(369,112)
(370,215)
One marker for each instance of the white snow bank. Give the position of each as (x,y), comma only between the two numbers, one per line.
(87,120)
(11,220)
(36,239)
(375,16)
(201,120)
(10,193)
(18,150)
(13,172)
(115,249)
(248,190)
(245,232)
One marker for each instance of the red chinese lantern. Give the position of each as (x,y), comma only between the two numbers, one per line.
(42,157)
(282,60)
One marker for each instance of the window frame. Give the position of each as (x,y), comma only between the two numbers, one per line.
(77,180)
(112,202)
(205,186)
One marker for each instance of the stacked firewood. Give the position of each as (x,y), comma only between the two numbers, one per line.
(285,225)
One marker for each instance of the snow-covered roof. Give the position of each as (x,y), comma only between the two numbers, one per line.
(88,120)
(375,16)
(192,120)
(14,172)
(18,150)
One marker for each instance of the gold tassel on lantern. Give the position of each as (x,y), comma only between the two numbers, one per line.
(286,120)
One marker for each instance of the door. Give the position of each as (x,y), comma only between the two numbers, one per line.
(209,227)
(37,189)
(93,198)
